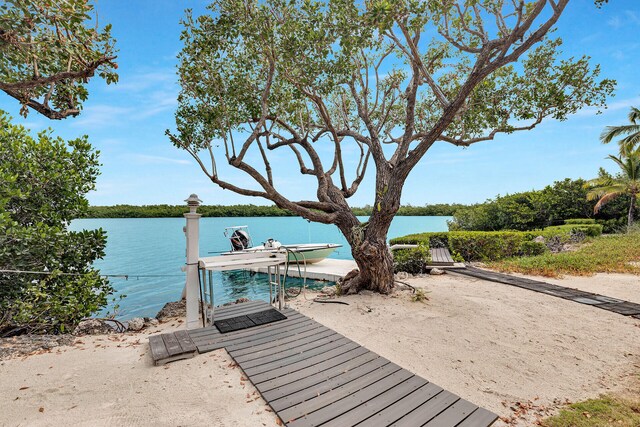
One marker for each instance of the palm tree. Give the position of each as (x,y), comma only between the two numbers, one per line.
(606,187)
(631,141)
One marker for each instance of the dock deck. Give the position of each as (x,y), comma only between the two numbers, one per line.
(311,375)
(332,270)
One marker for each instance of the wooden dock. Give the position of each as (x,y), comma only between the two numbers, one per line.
(311,375)
(625,308)
(332,270)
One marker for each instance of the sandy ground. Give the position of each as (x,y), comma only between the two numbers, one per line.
(492,344)
(622,286)
(103,382)
(497,345)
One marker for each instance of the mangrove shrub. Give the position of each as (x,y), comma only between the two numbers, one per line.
(43,183)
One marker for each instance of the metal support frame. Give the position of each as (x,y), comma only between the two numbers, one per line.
(206,266)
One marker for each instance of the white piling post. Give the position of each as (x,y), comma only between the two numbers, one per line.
(192,286)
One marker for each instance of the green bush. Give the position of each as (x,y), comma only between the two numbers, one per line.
(591,230)
(580,221)
(531,248)
(613,225)
(476,245)
(412,261)
(43,182)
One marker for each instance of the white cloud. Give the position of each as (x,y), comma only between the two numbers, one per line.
(632,16)
(141,82)
(146,158)
(615,22)
(96,116)
(622,104)
(158,102)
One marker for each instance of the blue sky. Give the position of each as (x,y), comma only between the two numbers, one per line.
(126,122)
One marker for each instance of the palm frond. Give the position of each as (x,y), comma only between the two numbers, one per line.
(619,161)
(634,115)
(611,132)
(604,200)
(599,192)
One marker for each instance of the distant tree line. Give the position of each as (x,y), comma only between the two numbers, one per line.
(532,210)
(523,211)
(175,211)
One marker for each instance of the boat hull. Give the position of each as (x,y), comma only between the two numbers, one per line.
(308,253)
(311,256)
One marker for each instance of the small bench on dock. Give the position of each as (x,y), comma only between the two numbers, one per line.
(440,257)
(170,347)
(311,375)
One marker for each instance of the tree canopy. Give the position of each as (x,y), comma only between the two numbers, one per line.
(48,52)
(379,81)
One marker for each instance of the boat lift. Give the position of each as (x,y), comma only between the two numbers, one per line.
(206,266)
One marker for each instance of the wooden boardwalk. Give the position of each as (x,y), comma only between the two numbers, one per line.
(312,376)
(615,305)
(441,257)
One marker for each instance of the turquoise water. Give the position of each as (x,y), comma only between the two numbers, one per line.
(155,248)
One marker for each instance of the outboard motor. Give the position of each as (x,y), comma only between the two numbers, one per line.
(272,244)
(239,240)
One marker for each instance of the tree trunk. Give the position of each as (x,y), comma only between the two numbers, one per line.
(375,265)
(632,208)
(369,240)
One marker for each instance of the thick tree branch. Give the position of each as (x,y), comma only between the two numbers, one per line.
(84,74)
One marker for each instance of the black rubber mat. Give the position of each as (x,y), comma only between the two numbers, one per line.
(249,320)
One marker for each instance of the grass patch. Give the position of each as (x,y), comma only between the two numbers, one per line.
(604,254)
(419,296)
(602,412)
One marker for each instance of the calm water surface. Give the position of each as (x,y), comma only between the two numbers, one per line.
(155,247)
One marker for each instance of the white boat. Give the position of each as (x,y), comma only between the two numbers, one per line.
(302,253)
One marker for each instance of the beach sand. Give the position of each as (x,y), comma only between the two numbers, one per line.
(516,352)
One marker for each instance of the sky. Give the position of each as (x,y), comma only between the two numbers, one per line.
(126,121)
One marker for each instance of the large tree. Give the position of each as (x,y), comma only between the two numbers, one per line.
(49,49)
(384,80)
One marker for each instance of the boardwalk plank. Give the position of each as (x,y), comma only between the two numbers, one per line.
(313,374)
(479,418)
(275,373)
(158,349)
(265,335)
(296,395)
(453,415)
(172,344)
(404,406)
(621,308)
(285,351)
(185,341)
(287,346)
(353,400)
(615,305)
(378,403)
(293,359)
(275,334)
(327,399)
(428,410)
